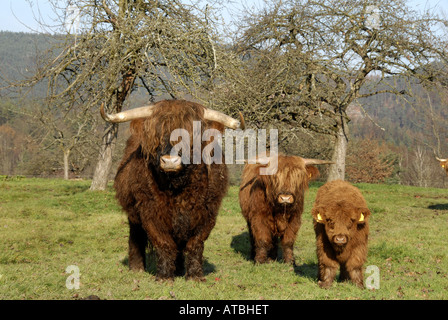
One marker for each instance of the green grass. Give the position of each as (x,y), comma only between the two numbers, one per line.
(47,225)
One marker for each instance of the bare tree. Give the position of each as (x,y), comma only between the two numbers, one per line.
(69,129)
(122,46)
(327,54)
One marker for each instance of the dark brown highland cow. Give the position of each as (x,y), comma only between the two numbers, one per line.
(273,204)
(341,224)
(169,203)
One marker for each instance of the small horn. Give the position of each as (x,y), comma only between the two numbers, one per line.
(217,116)
(127,115)
(309,162)
(243,123)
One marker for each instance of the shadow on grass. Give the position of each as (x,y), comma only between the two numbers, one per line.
(241,244)
(151,267)
(439,206)
(307,270)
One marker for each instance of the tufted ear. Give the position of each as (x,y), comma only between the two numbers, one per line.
(312,172)
(318,214)
(363,215)
(136,127)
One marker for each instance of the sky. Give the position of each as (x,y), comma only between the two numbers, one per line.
(20,16)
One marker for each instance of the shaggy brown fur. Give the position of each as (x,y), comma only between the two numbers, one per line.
(174,211)
(267,219)
(341,224)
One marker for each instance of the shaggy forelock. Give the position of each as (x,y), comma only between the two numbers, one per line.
(168,116)
(291,176)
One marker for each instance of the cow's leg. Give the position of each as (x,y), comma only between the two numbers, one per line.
(165,248)
(327,264)
(357,277)
(263,245)
(326,275)
(288,250)
(261,250)
(194,248)
(261,241)
(138,241)
(288,239)
(261,229)
(252,242)
(354,274)
(353,266)
(166,262)
(193,259)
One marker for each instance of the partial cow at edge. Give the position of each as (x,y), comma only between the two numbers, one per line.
(443,164)
(341,224)
(272,204)
(170,204)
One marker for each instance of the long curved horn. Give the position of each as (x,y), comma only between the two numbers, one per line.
(127,115)
(309,162)
(441,160)
(227,121)
(147,111)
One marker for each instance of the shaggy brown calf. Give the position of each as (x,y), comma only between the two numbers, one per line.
(273,204)
(341,225)
(170,203)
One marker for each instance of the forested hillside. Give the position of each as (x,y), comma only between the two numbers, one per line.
(392,139)
(20,52)
(410,130)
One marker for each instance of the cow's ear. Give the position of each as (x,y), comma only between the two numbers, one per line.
(136,127)
(364,214)
(318,214)
(312,172)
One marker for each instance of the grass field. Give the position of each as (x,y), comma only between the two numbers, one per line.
(48,225)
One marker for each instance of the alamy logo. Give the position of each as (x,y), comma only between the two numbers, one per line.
(373,17)
(72,19)
(234,140)
(72,281)
(373,280)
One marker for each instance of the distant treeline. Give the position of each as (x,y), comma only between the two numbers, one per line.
(394,137)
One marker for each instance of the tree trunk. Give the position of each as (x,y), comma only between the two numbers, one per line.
(337,170)
(101,175)
(66,156)
(104,164)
